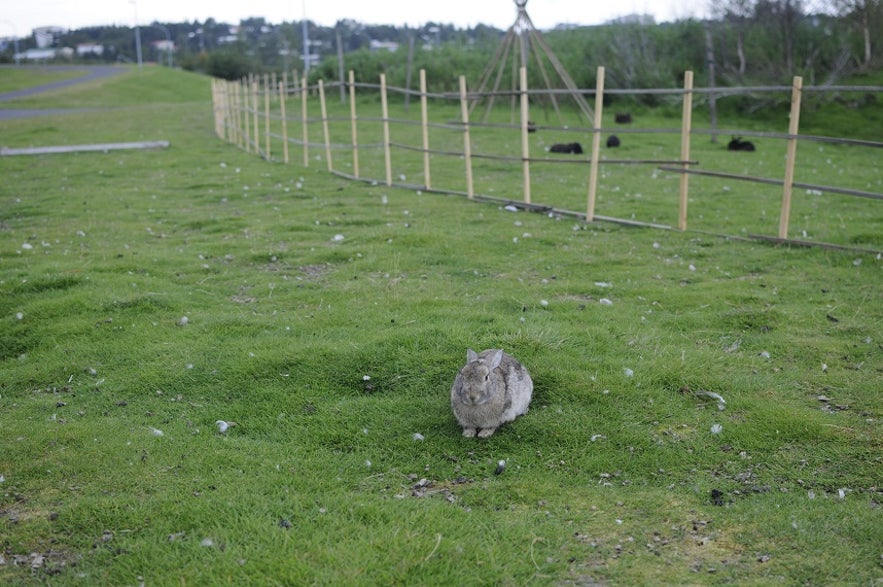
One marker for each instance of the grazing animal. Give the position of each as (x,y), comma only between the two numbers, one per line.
(623,117)
(737,144)
(613,141)
(491,389)
(531,126)
(574,148)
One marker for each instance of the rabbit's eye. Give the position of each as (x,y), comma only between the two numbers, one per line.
(487,376)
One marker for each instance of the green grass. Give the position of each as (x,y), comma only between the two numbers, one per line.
(331,354)
(20,78)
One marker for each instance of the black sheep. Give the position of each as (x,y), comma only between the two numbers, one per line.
(737,144)
(623,117)
(612,141)
(574,148)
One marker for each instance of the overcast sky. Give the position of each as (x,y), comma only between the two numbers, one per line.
(19,17)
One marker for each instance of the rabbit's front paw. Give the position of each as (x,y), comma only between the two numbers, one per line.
(469,432)
(485,432)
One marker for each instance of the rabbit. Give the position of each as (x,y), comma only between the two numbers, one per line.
(491,389)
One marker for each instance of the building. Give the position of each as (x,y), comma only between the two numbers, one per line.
(47,35)
(390,46)
(164,46)
(45,54)
(84,49)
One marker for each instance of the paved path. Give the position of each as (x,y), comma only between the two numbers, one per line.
(92,72)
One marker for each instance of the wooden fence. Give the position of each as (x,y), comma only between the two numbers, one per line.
(254,113)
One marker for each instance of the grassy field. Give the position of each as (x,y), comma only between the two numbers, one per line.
(19,78)
(144,295)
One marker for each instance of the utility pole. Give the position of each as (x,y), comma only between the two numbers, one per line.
(137,34)
(306,40)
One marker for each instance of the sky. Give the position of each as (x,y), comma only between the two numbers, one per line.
(19,17)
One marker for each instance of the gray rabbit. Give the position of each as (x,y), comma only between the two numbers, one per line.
(491,389)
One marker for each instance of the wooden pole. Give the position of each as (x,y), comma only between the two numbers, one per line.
(596,145)
(686,126)
(303,119)
(384,106)
(525,144)
(791,156)
(241,117)
(215,105)
(234,114)
(246,118)
(267,93)
(467,142)
(284,120)
(254,111)
(323,108)
(354,119)
(424,117)
(224,88)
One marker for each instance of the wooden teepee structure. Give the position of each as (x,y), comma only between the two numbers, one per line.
(524,46)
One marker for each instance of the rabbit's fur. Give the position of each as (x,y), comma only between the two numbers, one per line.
(491,389)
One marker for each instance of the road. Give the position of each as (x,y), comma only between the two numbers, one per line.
(92,72)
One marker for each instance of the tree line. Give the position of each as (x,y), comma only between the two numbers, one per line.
(743,42)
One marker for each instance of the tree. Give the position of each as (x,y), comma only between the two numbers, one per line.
(866,15)
(738,14)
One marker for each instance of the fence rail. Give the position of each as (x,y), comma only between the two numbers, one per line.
(254,114)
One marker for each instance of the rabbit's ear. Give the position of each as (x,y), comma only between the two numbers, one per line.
(496,358)
(471,356)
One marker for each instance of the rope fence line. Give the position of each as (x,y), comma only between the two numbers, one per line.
(244,119)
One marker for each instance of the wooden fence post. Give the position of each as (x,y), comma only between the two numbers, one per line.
(686,126)
(596,145)
(791,156)
(234,114)
(226,119)
(266,117)
(254,106)
(246,117)
(525,144)
(467,142)
(215,105)
(323,108)
(353,119)
(303,119)
(424,117)
(384,107)
(284,120)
